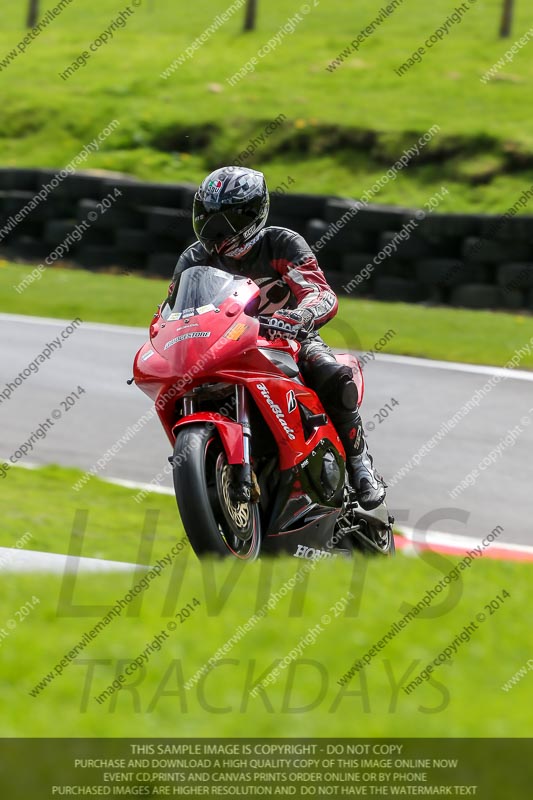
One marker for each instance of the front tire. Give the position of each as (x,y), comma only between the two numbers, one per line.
(214,524)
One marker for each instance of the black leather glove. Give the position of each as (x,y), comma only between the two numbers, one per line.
(288,324)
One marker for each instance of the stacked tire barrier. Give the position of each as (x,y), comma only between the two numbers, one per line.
(469,260)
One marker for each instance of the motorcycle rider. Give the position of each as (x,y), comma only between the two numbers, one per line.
(230,210)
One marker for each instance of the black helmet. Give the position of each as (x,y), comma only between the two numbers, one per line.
(230,208)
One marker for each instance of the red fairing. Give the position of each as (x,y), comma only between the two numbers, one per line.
(221,345)
(271,395)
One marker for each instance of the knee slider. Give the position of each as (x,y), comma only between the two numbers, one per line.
(339,388)
(347,391)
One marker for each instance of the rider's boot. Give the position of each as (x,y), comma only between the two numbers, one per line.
(368,485)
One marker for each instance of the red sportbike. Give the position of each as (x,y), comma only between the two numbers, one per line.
(258,467)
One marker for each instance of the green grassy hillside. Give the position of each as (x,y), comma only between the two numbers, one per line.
(343,128)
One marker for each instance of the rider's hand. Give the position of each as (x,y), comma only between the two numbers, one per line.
(289,324)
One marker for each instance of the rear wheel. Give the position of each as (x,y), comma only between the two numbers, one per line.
(214,523)
(373,539)
(368,532)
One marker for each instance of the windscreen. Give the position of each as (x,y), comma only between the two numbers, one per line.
(199,287)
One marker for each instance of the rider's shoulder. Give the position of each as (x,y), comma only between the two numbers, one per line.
(193,255)
(279,235)
(279,231)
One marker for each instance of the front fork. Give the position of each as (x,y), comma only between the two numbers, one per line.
(244,486)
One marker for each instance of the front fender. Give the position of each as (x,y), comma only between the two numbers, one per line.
(229,431)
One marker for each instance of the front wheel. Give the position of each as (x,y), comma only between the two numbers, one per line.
(213,522)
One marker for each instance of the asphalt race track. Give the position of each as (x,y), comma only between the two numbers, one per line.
(99,358)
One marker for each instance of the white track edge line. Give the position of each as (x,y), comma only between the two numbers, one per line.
(19,560)
(445,539)
(429,363)
(98,326)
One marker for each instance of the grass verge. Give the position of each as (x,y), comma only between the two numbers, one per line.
(463,697)
(478,337)
(102,519)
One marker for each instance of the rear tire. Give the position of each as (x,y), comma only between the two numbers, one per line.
(364,534)
(374,540)
(214,524)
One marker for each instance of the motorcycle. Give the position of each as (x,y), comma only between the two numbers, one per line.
(258,467)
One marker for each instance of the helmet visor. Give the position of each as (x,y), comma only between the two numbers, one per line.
(215,229)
